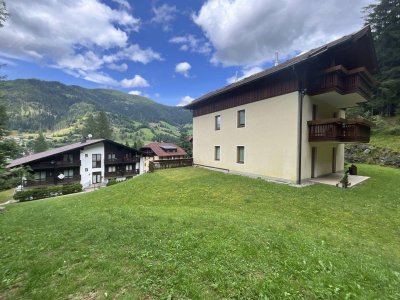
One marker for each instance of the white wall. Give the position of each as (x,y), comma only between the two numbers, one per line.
(86,163)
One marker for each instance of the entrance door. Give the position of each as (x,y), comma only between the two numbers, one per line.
(96,177)
(334,160)
(313,161)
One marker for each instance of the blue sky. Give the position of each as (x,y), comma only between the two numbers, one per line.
(169,51)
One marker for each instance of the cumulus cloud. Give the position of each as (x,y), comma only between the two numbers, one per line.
(183,68)
(247,32)
(185,100)
(244,73)
(137,81)
(79,37)
(192,43)
(120,68)
(136,93)
(164,14)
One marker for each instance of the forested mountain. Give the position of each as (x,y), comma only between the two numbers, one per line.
(35,105)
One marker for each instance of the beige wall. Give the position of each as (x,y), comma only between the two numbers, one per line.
(269,137)
(324,149)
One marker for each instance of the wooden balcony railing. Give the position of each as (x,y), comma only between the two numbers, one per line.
(340,130)
(124,160)
(121,173)
(343,81)
(55,164)
(52,181)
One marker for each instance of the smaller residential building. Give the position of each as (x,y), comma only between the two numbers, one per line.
(161,151)
(91,162)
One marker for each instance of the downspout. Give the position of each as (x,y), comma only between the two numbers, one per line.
(301,94)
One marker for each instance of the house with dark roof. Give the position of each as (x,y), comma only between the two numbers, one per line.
(289,122)
(161,151)
(91,162)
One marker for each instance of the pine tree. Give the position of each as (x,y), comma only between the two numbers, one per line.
(40,144)
(384,19)
(89,127)
(103,126)
(184,142)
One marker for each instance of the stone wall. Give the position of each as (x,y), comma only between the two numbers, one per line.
(365,153)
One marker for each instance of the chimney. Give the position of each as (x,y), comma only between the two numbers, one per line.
(276,58)
(83,140)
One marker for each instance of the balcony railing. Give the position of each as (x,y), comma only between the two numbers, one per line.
(52,181)
(343,81)
(340,130)
(124,160)
(121,173)
(55,164)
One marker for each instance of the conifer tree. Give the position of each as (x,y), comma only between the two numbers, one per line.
(103,126)
(40,144)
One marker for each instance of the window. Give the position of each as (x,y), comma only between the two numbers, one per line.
(96,160)
(86,169)
(96,177)
(111,156)
(40,176)
(86,155)
(111,169)
(217,122)
(241,118)
(128,168)
(217,153)
(68,173)
(68,157)
(240,154)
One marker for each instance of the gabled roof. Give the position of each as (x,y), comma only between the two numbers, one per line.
(159,149)
(37,156)
(290,63)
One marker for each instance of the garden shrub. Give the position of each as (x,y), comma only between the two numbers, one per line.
(47,192)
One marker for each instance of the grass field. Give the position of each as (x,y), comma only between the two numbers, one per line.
(197,234)
(6,195)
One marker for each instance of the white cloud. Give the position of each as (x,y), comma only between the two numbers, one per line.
(247,32)
(192,43)
(124,3)
(183,68)
(120,68)
(157,95)
(79,37)
(185,100)
(137,81)
(136,93)
(244,73)
(164,14)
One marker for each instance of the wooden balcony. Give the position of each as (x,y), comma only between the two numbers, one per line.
(121,173)
(124,160)
(52,181)
(339,79)
(55,164)
(340,130)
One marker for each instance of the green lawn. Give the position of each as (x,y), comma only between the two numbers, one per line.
(6,195)
(197,234)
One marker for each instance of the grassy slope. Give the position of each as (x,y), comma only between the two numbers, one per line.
(194,233)
(6,195)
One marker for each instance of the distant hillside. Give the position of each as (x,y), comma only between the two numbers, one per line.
(35,105)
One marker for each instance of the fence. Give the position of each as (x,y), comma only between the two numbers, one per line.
(170,163)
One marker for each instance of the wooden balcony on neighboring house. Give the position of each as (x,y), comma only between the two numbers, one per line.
(121,173)
(340,130)
(339,79)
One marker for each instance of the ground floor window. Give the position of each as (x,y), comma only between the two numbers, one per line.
(69,173)
(111,169)
(96,177)
(240,154)
(128,167)
(40,176)
(217,152)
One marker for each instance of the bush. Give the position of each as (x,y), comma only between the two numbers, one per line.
(114,181)
(47,192)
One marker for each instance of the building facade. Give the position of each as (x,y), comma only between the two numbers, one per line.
(90,163)
(161,151)
(289,122)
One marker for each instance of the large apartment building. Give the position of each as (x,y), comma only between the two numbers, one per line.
(88,162)
(288,122)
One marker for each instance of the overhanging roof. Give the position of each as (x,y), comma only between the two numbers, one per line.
(302,58)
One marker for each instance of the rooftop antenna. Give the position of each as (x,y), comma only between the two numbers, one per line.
(276,58)
(90,136)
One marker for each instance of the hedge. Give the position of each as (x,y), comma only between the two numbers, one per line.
(47,192)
